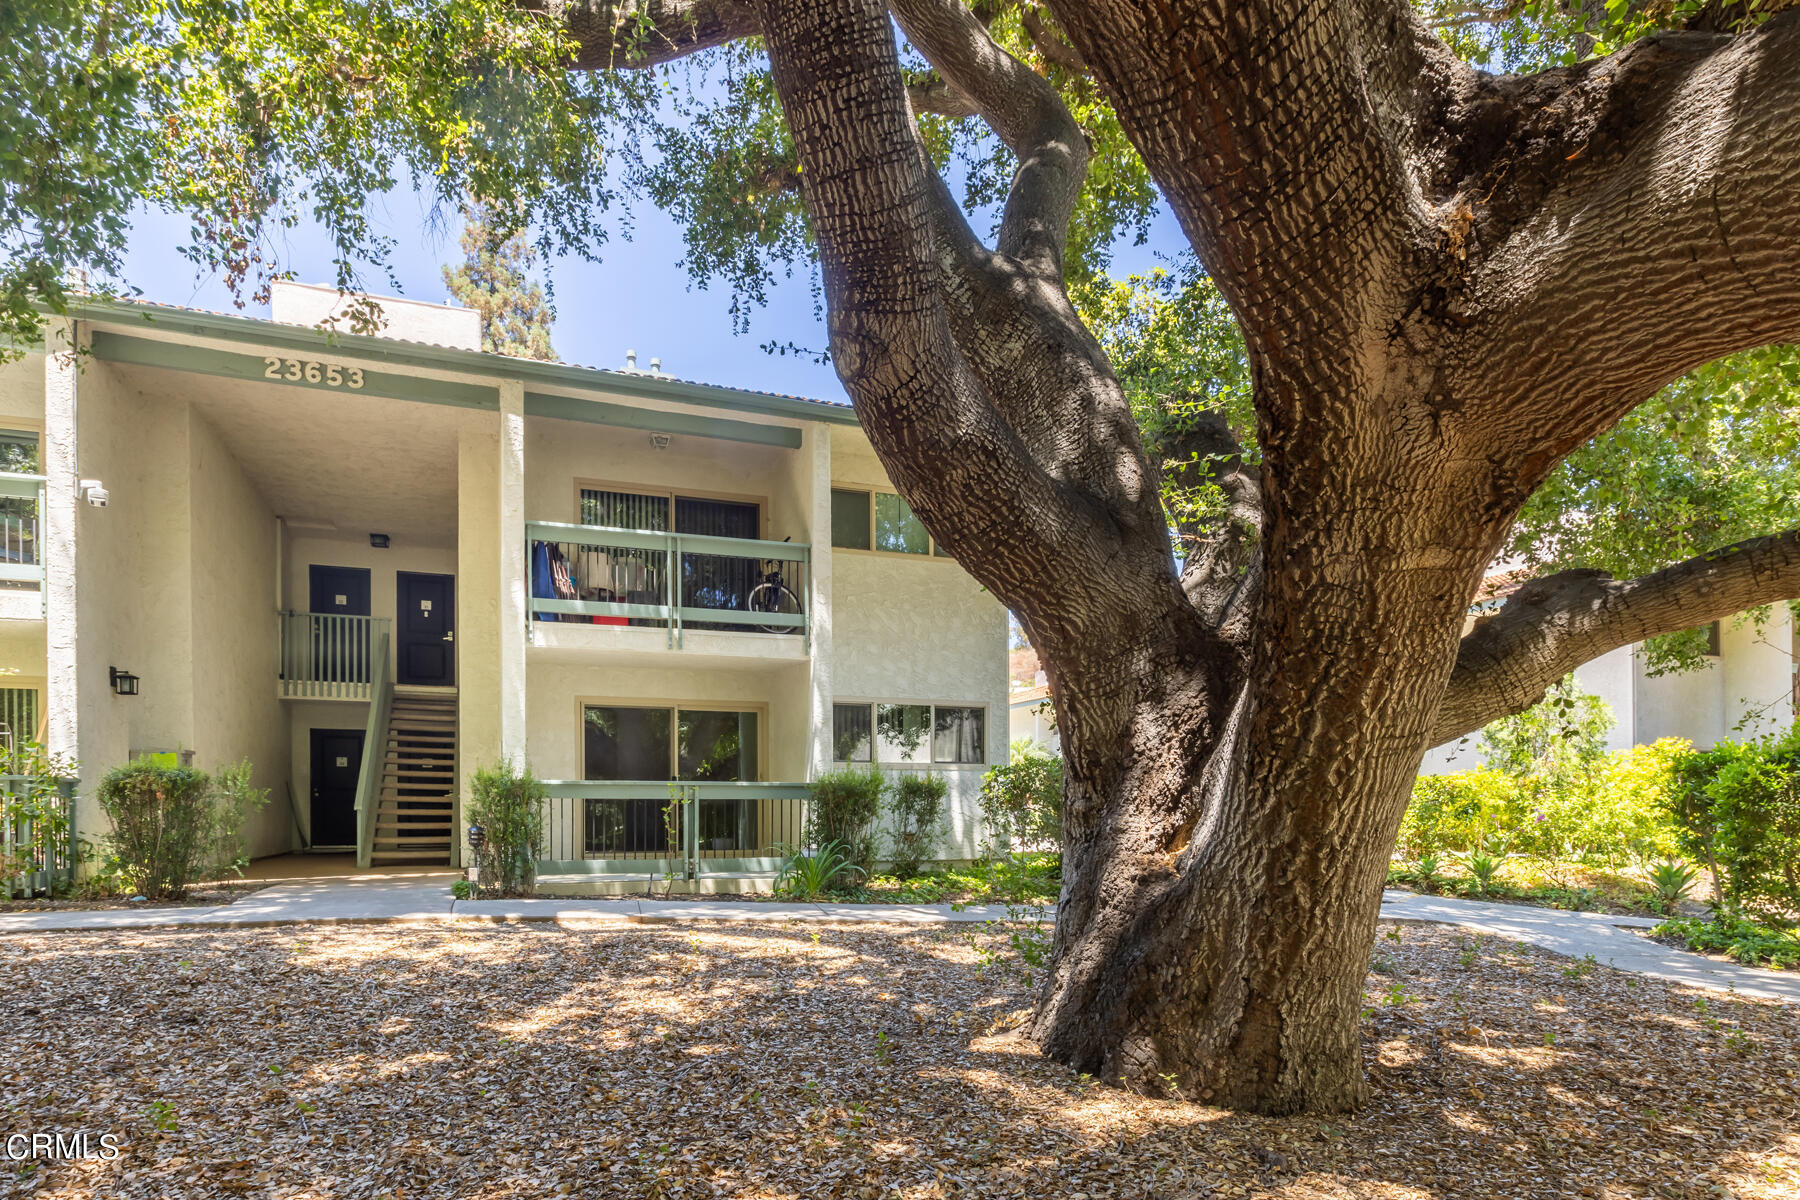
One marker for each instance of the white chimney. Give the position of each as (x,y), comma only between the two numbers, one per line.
(631,360)
(313,304)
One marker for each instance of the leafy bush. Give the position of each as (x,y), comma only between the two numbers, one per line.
(235,801)
(1738,810)
(842,808)
(1736,937)
(1608,809)
(807,876)
(916,815)
(34,808)
(175,825)
(508,804)
(1022,802)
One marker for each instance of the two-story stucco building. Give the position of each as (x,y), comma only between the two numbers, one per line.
(372,564)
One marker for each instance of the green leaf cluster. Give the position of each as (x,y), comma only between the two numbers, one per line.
(245,114)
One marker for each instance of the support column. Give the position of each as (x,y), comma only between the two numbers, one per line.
(816,442)
(512,573)
(57,548)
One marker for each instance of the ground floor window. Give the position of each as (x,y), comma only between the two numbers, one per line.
(909,733)
(660,743)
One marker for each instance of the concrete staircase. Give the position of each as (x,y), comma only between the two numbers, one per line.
(415,818)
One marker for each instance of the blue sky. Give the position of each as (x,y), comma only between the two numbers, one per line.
(636,297)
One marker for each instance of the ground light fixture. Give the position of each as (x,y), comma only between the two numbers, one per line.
(124,683)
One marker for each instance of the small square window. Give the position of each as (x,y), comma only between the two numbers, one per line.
(896,528)
(851,733)
(849,519)
(956,736)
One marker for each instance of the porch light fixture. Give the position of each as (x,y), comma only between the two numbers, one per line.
(124,683)
(378,540)
(660,441)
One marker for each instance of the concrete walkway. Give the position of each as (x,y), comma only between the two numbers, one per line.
(426,898)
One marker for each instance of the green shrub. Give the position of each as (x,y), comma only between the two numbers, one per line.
(1022,803)
(1736,937)
(1670,881)
(916,819)
(842,807)
(1609,809)
(807,876)
(36,810)
(1738,810)
(235,801)
(165,825)
(508,804)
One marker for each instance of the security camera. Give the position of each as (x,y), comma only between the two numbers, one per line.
(94,494)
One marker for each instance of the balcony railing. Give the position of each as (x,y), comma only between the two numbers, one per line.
(330,656)
(21,503)
(672,581)
(670,826)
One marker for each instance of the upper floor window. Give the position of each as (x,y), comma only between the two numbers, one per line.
(871,520)
(18,452)
(661,513)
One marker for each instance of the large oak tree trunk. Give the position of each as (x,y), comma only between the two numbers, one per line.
(1403,241)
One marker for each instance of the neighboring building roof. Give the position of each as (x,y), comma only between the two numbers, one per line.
(1029,695)
(1499,586)
(238,327)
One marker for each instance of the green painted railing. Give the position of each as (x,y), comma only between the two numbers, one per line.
(20,558)
(668,580)
(368,780)
(329,656)
(37,835)
(669,826)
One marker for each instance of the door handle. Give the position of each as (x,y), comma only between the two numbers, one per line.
(451,636)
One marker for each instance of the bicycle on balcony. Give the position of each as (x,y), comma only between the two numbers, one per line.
(773,595)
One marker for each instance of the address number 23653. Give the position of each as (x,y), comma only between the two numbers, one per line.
(295,370)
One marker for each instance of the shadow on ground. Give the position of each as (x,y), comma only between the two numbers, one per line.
(799,1061)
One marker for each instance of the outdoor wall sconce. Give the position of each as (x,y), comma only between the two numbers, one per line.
(124,683)
(378,540)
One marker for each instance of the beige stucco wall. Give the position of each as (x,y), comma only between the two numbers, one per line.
(237,713)
(478,588)
(917,629)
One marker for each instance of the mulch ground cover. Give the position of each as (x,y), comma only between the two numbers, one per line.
(794,1060)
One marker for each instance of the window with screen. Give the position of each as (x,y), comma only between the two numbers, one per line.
(956,735)
(852,733)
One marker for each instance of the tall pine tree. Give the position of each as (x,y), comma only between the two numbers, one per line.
(495,279)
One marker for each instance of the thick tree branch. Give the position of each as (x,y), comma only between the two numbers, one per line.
(1553,625)
(933,95)
(642,33)
(1026,113)
(1633,218)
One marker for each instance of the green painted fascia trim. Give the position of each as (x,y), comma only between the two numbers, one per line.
(599,412)
(445,358)
(203,360)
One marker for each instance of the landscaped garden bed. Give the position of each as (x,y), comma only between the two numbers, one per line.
(786,1060)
